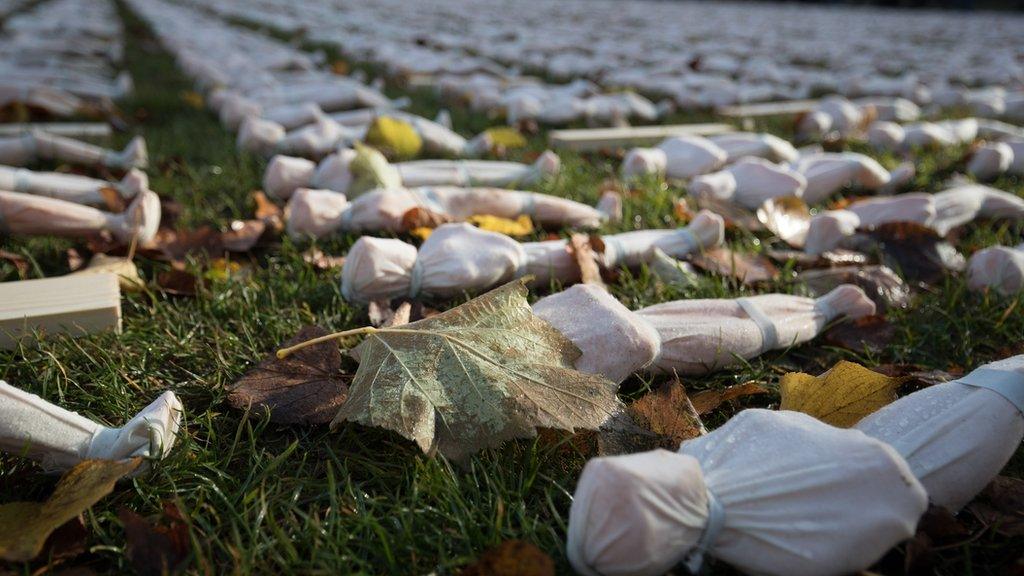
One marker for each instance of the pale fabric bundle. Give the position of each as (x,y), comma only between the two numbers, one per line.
(994,159)
(441,140)
(31,215)
(459,258)
(739,144)
(71,187)
(53,101)
(941,212)
(59,439)
(891,136)
(286,174)
(957,436)
(41,145)
(998,267)
(834,114)
(676,157)
(771,493)
(705,335)
(321,212)
(614,341)
(749,182)
(828,172)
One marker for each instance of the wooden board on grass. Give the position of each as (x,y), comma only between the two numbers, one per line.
(590,139)
(67,129)
(768,109)
(76,305)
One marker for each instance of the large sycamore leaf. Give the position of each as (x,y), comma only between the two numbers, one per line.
(841,396)
(25,526)
(475,376)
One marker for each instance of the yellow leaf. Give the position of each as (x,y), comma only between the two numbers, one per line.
(193,99)
(423,232)
(394,137)
(841,396)
(521,226)
(25,526)
(506,137)
(126,271)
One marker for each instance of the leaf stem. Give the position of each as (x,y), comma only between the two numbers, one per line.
(286,352)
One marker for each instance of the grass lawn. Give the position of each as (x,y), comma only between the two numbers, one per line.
(263,498)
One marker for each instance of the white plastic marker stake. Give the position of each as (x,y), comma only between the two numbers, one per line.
(58,439)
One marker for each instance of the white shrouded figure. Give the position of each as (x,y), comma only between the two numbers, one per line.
(749,182)
(958,435)
(31,215)
(40,145)
(58,439)
(994,159)
(998,267)
(285,174)
(459,258)
(321,212)
(676,157)
(71,187)
(768,146)
(941,212)
(689,336)
(771,493)
(829,172)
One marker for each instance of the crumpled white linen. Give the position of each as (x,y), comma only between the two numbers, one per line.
(998,267)
(834,114)
(320,212)
(285,174)
(71,187)
(614,341)
(891,136)
(941,212)
(58,439)
(704,335)
(41,145)
(749,182)
(993,159)
(676,157)
(829,172)
(771,493)
(958,435)
(768,146)
(32,215)
(458,258)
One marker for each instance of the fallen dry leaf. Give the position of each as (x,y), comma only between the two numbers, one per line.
(708,400)
(268,212)
(869,333)
(915,250)
(25,526)
(19,262)
(837,257)
(521,226)
(787,217)
(178,282)
(668,413)
(735,216)
(1001,506)
(581,250)
(841,397)
(307,387)
(112,200)
(243,235)
(125,270)
(156,549)
(512,558)
(747,268)
(917,377)
(880,283)
(321,261)
(420,217)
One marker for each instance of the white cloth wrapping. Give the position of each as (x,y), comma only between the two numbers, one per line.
(833,114)
(320,212)
(676,157)
(615,342)
(958,435)
(705,335)
(998,267)
(58,439)
(768,146)
(749,182)
(71,187)
(458,258)
(285,174)
(994,159)
(891,136)
(31,215)
(41,145)
(941,212)
(828,172)
(771,493)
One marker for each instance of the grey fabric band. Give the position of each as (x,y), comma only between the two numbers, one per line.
(769,336)
(415,279)
(716,521)
(1008,384)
